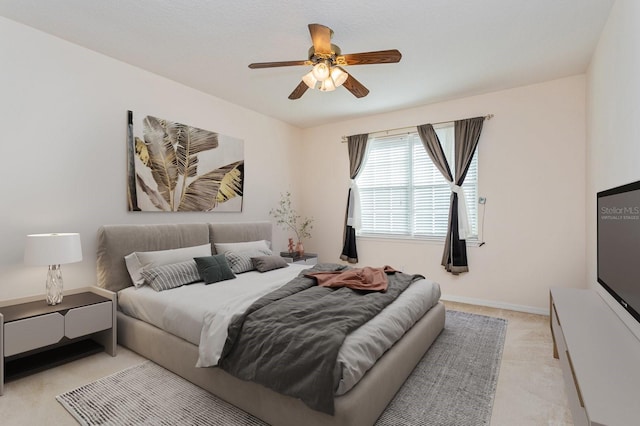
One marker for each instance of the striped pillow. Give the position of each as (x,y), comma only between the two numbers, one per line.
(240,261)
(166,277)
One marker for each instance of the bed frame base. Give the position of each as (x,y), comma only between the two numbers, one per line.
(361,406)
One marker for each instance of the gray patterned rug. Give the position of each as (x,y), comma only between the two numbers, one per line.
(453,384)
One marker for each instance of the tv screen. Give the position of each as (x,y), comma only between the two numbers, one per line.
(619,245)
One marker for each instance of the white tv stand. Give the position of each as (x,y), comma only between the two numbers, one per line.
(600,359)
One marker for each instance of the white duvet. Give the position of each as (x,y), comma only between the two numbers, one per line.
(201,315)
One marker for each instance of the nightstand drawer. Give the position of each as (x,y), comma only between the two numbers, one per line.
(88,319)
(32,333)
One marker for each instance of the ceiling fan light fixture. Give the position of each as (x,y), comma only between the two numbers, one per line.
(310,80)
(326,61)
(321,71)
(339,76)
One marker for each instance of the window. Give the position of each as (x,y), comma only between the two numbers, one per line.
(403,194)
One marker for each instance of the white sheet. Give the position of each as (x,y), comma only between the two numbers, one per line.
(201,314)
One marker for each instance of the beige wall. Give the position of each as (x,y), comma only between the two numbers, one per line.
(532,171)
(65,170)
(63,145)
(613,143)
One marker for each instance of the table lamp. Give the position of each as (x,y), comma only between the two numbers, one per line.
(53,250)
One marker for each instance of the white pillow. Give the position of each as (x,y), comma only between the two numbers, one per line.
(222,248)
(145,260)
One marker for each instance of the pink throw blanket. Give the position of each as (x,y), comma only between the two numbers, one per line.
(367,278)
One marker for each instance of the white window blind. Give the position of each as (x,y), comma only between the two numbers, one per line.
(402,193)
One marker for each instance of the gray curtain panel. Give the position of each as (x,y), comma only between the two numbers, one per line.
(467,135)
(357,145)
(434,149)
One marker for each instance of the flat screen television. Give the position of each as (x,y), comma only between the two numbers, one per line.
(619,245)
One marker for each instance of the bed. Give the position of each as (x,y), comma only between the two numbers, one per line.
(360,404)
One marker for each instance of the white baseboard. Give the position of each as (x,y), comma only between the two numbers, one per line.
(494,304)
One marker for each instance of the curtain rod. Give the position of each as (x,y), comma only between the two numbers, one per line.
(344,138)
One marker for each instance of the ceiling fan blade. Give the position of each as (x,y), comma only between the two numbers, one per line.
(298,91)
(355,87)
(321,38)
(278,64)
(379,57)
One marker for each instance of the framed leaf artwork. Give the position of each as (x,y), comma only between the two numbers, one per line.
(176,167)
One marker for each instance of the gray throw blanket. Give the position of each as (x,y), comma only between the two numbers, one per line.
(289,339)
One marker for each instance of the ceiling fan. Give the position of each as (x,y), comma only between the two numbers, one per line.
(327,61)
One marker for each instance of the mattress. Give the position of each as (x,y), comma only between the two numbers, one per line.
(200,314)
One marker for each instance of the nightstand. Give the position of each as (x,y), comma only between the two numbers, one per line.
(306,259)
(35,336)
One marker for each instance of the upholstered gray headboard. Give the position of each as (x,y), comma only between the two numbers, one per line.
(117,241)
(239,232)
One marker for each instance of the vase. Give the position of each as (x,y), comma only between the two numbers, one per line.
(300,249)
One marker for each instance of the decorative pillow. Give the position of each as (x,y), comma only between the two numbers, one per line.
(214,268)
(146,260)
(268,263)
(222,248)
(170,276)
(240,261)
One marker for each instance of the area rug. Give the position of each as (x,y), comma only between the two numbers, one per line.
(454,384)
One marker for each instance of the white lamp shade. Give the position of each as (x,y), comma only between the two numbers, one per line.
(339,76)
(327,85)
(321,71)
(52,249)
(310,80)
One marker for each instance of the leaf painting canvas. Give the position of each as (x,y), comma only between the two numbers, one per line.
(176,167)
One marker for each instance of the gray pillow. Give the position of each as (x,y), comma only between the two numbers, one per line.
(170,276)
(213,269)
(268,263)
(240,261)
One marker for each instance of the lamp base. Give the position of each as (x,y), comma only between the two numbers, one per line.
(54,285)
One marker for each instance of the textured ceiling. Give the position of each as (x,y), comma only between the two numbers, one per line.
(450,48)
